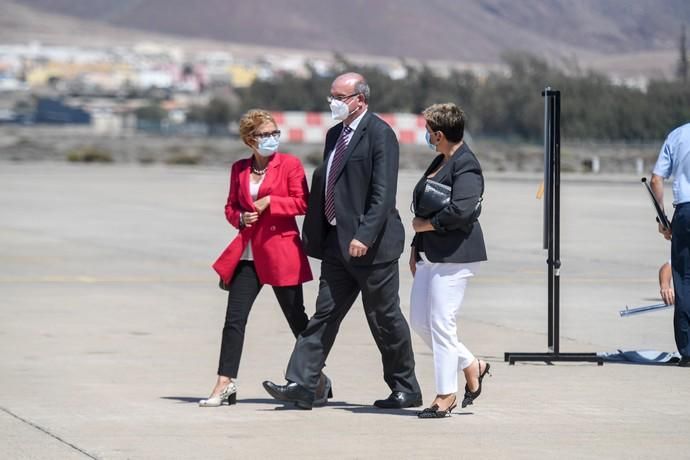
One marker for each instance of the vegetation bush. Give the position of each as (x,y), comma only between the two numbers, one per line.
(503,104)
(89,154)
(178,157)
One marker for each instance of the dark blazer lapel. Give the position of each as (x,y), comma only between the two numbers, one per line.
(433,166)
(331,140)
(356,137)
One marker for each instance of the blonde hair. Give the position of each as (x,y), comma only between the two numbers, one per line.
(251,121)
(447,118)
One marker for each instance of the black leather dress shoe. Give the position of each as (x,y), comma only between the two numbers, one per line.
(684,361)
(399,400)
(292,392)
(323,392)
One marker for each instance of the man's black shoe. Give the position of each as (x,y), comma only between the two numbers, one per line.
(292,392)
(684,361)
(399,400)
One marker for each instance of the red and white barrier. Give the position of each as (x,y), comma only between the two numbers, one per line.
(311,127)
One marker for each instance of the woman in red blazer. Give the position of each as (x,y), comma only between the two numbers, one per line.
(267,191)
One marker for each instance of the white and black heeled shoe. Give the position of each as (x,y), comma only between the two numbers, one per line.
(228,395)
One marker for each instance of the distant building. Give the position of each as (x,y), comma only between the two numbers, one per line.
(242,76)
(7,116)
(8,83)
(56,112)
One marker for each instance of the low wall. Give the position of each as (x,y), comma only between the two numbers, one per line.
(44,143)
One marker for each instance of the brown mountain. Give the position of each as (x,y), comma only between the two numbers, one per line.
(461,30)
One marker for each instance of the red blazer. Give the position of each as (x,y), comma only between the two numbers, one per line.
(279,257)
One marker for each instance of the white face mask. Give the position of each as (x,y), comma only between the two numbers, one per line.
(339,110)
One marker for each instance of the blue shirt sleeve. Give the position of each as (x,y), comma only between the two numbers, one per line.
(664,164)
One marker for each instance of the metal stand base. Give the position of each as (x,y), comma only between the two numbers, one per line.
(549,358)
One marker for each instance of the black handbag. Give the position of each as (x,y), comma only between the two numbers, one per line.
(435,197)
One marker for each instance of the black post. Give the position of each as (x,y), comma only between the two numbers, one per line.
(552,237)
(549,204)
(556,249)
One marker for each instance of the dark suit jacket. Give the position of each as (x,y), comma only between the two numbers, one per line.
(457,235)
(364,195)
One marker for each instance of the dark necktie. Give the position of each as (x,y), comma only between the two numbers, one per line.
(338,155)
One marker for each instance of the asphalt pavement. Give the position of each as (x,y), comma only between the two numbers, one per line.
(110,323)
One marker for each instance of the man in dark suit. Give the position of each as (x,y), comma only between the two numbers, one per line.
(353,226)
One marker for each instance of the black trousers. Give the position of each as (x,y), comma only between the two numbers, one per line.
(244,288)
(339,285)
(680,264)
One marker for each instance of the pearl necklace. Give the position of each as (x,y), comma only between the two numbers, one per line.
(259,172)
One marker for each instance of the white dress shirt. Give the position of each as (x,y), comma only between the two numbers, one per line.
(254,193)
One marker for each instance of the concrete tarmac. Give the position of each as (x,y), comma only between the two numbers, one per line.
(110,323)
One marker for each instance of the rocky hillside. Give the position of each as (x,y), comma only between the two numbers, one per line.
(471,30)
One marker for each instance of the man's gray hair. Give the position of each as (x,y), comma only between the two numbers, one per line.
(362,87)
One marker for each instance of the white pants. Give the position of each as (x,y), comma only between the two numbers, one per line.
(437,293)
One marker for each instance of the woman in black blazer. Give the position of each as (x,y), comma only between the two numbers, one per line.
(446,251)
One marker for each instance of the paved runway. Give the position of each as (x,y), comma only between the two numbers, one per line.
(110,321)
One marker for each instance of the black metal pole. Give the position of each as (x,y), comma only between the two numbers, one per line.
(556,261)
(552,237)
(547,170)
(549,203)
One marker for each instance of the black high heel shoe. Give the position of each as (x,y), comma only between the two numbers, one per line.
(434,412)
(470,396)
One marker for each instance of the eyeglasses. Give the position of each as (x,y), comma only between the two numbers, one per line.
(340,98)
(275,134)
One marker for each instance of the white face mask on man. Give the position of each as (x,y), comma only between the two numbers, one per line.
(339,110)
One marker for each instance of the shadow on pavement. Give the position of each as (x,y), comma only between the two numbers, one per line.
(195,400)
(183,399)
(338,405)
